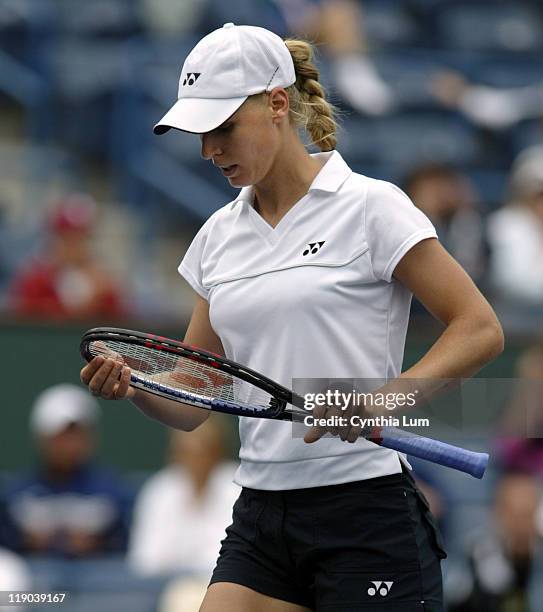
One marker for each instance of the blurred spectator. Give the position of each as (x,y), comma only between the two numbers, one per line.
(14,576)
(337,25)
(490,107)
(69,507)
(451,202)
(500,559)
(520,445)
(171,17)
(515,233)
(181,512)
(66,282)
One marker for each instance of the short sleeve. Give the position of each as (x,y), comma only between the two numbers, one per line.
(190,267)
(393,226)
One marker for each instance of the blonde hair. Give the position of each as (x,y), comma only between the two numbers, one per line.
(308,105)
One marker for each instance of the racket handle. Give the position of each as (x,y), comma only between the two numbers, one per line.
(448,455)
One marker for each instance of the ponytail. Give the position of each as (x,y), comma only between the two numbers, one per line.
(308,105)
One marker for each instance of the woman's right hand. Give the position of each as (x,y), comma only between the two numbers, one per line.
(108,378)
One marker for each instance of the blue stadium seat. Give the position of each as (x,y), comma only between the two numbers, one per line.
(24,24)
(261,13)
(409,73)
(387,23)
(98,19)
(491,185)
(85,76)
(125,601)
(355,140)
(527,134)
(105,583)
(506,26)
(404,139)
(508,70)
(430,5)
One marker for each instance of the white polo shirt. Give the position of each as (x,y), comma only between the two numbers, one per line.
(313,297)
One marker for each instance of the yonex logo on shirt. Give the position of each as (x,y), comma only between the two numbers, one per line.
(313,247)
(383,588)
(191,78)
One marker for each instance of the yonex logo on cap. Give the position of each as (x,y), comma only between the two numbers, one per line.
(383,588)
(313,248)
(191,78)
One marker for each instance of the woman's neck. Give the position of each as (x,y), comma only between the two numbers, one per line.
(287,182)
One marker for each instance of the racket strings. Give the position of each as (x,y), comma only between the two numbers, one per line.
(181,373)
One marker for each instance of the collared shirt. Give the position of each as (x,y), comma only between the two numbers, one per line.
(312,298)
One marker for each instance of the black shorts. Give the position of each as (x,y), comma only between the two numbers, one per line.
(360,546)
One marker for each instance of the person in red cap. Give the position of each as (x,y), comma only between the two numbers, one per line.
(65,282)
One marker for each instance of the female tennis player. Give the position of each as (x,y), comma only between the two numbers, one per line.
(309,273)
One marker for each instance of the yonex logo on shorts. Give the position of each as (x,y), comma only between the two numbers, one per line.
(191,78)
(313,247)
(383,588)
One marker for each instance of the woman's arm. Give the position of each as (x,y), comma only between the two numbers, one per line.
(473,335)
(110,379)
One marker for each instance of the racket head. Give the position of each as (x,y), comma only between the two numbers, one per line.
(188,374)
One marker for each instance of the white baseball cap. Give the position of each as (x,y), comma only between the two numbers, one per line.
(60,406)
(222,71)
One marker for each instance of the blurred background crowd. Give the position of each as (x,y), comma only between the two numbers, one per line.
(442,97)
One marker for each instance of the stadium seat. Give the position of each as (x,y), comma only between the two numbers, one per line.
(505,26)
(510,71)
(24,24)
(98,19)
(245,12)
(491,185)
(409,72)
(404,139)
(387,23)
(527,134)
(105,583)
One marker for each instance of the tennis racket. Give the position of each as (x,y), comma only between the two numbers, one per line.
(191,375)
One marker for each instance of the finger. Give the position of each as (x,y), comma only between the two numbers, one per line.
(123,388)
(335,415)
(319,412)
(100,377)
(90,369)
(106,351)
(108,388)
(315,433)
(354,434)
(345,432)
(345,429)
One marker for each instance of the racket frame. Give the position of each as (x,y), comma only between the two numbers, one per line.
(281,396)
(458,458)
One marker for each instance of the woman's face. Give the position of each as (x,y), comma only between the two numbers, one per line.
(245,146)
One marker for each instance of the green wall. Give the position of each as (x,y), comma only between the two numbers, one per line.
(35,357)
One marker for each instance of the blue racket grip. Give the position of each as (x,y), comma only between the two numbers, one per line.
(448,455)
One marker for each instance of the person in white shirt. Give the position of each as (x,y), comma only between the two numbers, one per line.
(309,273)
(181,512)
(515,234)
